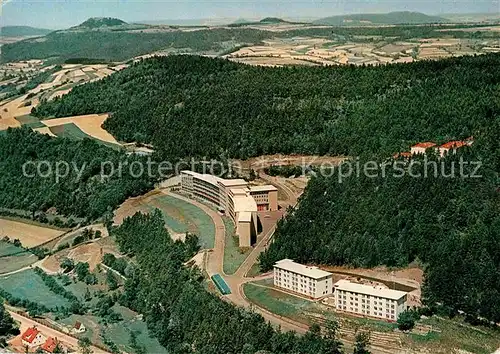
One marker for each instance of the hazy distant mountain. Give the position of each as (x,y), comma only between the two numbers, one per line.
(22,31)
(272,20)
(98,22)
(392,18)
(241,21)
(473,17)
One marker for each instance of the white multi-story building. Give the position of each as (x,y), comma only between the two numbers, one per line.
(310,281)
(370,301)
(235,197)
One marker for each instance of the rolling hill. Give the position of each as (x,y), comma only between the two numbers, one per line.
(392,18)
(22,31)
(97,22)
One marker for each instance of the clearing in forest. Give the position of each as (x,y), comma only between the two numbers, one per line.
(89,124)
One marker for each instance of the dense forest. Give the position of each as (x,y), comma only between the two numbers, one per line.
(183,315)
(213,107)
(81,193)
(450,225)
(21,31)
(120,44)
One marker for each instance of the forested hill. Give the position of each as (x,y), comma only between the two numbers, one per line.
(122,45)
(78,191)
(21,31)
(195,106)
(97,22)
(451,225)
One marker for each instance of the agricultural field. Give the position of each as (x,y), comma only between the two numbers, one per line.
(13,258)
(357,51)
(30,235)
(15,110)
(8,249)
(434,334)
(15,262)
(180,216)
(28,285)
(80,127)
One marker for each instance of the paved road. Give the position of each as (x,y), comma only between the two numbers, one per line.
(215,260)
(49,332)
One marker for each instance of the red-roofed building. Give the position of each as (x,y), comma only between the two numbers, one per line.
(50,345)
(451,146)
(421,148)
(32,337)
(404,155)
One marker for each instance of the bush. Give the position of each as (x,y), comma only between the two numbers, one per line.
(406,320)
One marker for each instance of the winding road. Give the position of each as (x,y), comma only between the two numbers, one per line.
(215,260)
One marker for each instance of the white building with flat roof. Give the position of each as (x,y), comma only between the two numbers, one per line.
(310,281)
(370,301)
(235,197)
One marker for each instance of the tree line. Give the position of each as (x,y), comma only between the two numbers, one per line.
(196,106)
(86,194)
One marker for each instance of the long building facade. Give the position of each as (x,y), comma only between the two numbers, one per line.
(235,198)
(309,281)
(369,301)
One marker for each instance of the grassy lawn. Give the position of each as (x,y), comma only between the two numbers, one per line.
(119,333)
(15,262)
(28,285)
(7,249)
(234,256)
(181,216)
(30,121)
(450,334)
(254,271)
(277,302)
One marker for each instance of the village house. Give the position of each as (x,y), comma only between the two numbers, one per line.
(32,337)
(50,345)
(79,327)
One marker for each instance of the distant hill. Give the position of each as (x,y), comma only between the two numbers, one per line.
(97,22)
(241,21)
(272,20)
(22,31)
(392,18)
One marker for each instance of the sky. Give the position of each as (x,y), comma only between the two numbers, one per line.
(58,14)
